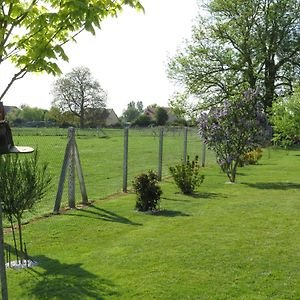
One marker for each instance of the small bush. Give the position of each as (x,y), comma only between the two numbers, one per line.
(251,157)
(148,191)
(187,175)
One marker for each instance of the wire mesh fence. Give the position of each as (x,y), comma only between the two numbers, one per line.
(102,156)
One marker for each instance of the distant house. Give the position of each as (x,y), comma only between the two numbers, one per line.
(151,110)
(8,109)
(111,119)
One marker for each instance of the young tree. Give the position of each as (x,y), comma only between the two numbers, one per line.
(33,33)
(241,45)
(78,92)
(23,183)
(161,116)
(232,129)
(285,118)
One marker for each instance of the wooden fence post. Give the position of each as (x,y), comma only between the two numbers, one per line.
(4,291)
(160,153)
(71,159)
(185,144)
(203,154)
(71,181)
(125,160)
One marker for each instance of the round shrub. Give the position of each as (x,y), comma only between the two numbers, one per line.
(148,191)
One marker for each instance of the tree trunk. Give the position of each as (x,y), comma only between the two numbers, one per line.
(15,241)
(20,239)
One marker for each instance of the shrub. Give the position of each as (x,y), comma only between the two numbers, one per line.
(148,191)
(251,157)
(187,175)
(234,128)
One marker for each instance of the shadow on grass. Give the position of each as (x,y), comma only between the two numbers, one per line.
(65,281)
(196,196)
(274,185)
(169,213)
(103,214)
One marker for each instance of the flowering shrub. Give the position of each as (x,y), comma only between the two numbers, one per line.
(233,129)
(251,157)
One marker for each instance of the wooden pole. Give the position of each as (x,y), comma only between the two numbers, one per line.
(4,291)
(185,144)
(71,182)
(80,175)
(203,154)
(160,153)
(125,160)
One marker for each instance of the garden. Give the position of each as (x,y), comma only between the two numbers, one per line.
(225,230)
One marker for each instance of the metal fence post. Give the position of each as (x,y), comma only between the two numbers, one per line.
(71,183)
(203,154)
(185,144)
(125,160)
(160,153)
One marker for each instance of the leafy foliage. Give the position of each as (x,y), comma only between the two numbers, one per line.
(161,116)
(23,183)
(251,157)
(233,129)
(148,191)
(239,45)
(133,111)
(285,118)
(79,93)
(187,175)
(33,33)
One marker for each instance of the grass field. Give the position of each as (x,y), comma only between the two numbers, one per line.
(228,241)
(101,155)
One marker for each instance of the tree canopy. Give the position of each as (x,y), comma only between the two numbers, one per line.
(79,93)
(133,111)
(239,45)
(33,33)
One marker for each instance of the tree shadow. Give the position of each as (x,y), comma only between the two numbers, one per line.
(102,214)
(65,282)
(274,185)
(206,195)
(169,213)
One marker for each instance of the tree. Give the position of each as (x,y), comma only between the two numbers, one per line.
(161,116)
(241,45)
(143,121)
(26,114)
(285,118)
(133,111)
(233,129)
(32,183)
(78,92)
(33,33)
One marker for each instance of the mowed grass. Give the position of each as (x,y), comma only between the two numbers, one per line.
(228,241)
(101,154)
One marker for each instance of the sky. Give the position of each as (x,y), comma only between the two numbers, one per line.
(128,57)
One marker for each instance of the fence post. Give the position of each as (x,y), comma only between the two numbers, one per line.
(160,153)
(4,291)
(125,160)
(71,183)
(185,144)
(203,154)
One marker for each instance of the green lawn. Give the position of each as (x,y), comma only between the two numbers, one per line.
(102,158)
(229,241)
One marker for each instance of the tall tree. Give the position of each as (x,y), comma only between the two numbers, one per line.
(239,45)
(78,92)
(133,111)
(33,32)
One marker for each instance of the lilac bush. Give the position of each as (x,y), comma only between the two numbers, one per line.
(234,128)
